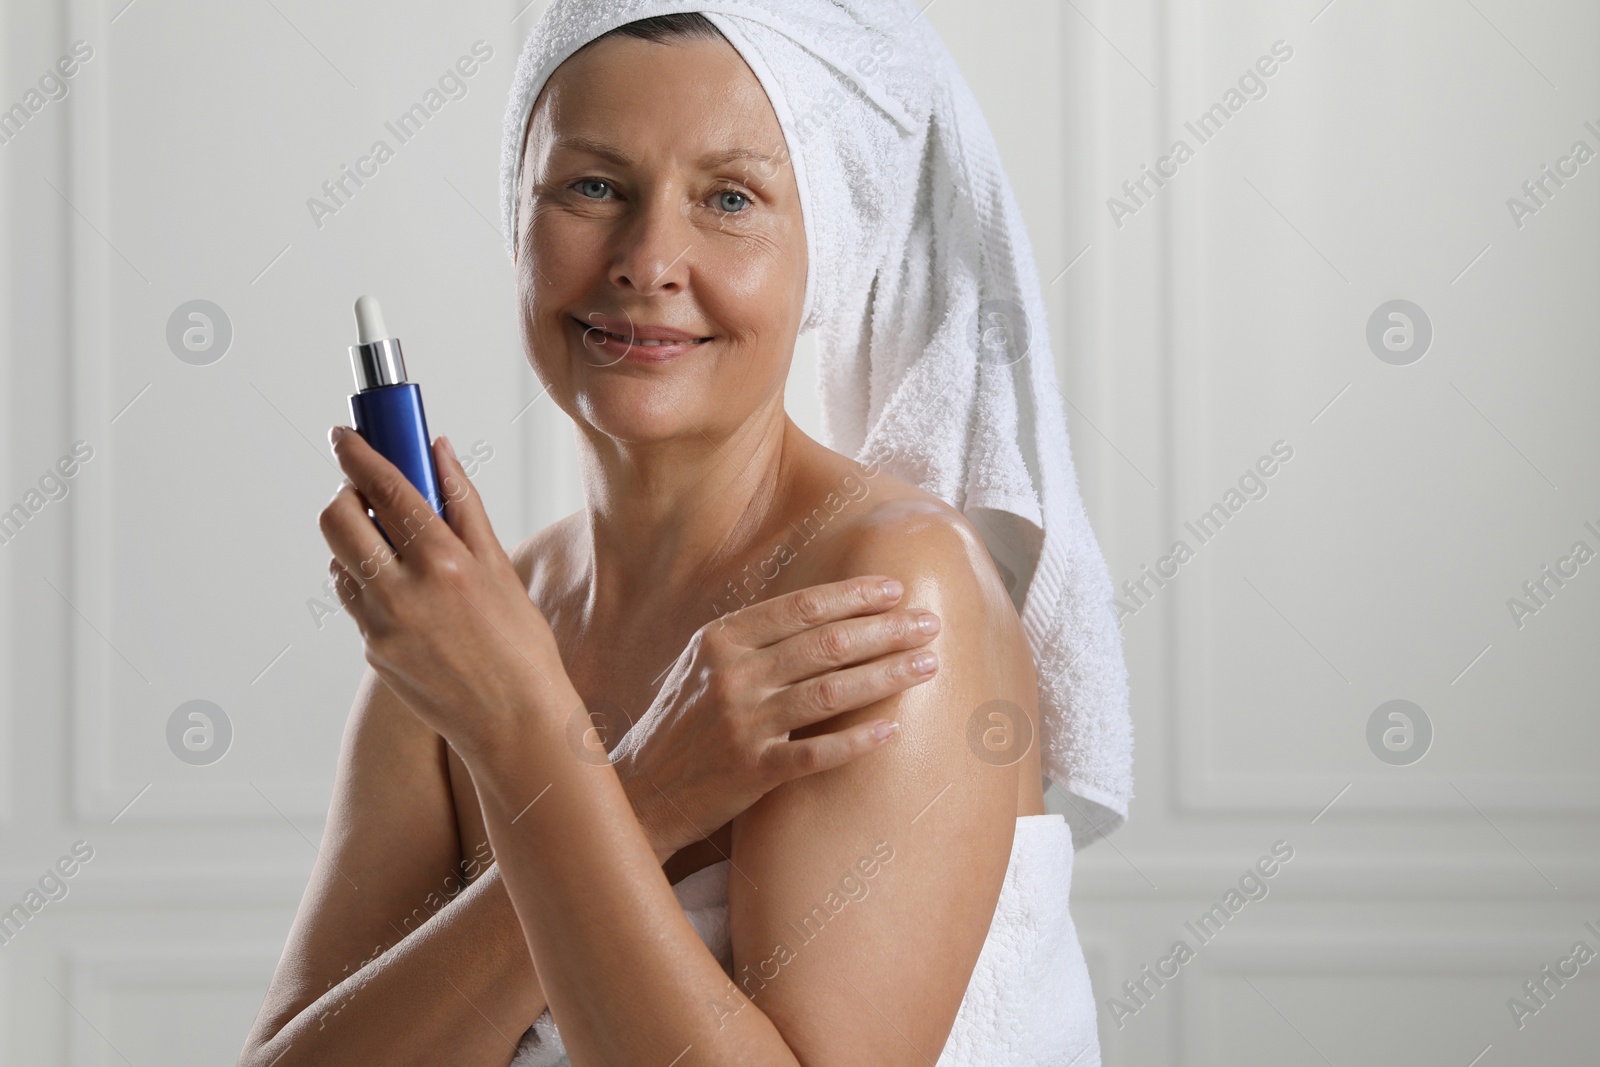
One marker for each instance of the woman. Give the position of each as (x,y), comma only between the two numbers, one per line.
(665,266)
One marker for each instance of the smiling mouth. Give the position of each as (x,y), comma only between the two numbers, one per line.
(639,341)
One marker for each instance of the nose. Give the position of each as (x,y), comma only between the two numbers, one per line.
(653,252)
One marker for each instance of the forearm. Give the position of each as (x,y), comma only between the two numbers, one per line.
(459,989)
(600,916)
(398,1009)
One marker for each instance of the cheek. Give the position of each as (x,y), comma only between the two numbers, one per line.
(564,263)
(564,253)
(759,285)
(745,278)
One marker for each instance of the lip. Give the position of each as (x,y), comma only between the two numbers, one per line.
(624,340)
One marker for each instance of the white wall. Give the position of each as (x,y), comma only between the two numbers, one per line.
(1226,314)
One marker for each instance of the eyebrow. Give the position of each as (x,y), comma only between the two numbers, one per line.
(621,158)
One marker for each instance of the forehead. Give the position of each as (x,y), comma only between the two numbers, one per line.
(690,96)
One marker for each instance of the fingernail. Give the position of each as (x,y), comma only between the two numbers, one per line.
(335,434)
(892,589)
(884,729)
(928,622)
(447,445)
(924,662)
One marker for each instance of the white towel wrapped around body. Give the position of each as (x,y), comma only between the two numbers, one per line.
(1028,1002)
(934,353)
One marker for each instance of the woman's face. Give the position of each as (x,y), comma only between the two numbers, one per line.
(658,204)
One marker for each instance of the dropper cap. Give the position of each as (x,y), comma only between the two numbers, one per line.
(375,357)
(369,320)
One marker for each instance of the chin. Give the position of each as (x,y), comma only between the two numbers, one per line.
(637,413)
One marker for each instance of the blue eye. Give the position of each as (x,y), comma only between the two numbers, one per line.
(593,188)
(732,201)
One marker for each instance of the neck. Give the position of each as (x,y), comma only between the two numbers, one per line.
(664,517)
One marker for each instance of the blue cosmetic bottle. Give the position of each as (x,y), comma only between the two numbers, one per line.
(387,409)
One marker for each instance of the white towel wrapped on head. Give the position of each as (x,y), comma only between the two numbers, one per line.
(933,348)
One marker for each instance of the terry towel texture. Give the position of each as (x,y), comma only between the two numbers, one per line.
(1028,1003)
(934,352)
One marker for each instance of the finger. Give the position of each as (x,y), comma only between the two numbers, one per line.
(405,513)
(356,544)
(345,587)
(839,644)
(773,620)
(827,695)
(463,507)
(824,752)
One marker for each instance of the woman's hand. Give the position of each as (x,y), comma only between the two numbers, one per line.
(447,623)
(716,738)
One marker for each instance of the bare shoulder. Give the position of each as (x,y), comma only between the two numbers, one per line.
(928,542)
(906,816)
(909,534)
(539,554)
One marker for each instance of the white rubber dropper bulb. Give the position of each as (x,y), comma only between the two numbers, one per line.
(369,321)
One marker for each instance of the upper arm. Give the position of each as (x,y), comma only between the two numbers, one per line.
(860,897)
